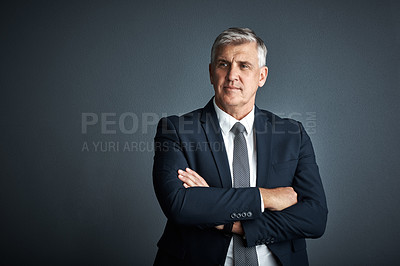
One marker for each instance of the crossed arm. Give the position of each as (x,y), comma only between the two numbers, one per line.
(290,213)
(275,199)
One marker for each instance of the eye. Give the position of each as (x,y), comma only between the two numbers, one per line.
(245,66)
(222,64)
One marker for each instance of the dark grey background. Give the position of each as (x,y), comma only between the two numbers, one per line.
(334,65)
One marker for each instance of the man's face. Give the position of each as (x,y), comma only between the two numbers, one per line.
(236,76)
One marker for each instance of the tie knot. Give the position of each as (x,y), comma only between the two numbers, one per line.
(238,128)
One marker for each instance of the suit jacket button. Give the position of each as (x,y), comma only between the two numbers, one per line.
(249,214)
(244,214)
(238,215)
(233,215)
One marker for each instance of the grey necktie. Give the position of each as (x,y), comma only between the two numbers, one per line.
(241,178)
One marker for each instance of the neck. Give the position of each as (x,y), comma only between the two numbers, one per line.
(236,112)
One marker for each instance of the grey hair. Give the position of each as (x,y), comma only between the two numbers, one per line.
(239,36)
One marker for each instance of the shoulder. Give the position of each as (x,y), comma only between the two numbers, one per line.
(279,124)
(185,119)
(180,124)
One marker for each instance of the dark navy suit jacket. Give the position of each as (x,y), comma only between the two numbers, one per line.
(285,157)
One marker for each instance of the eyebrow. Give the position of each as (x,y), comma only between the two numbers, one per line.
(246,63)
(222,60)
(219,60)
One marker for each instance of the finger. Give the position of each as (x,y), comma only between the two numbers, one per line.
(194,173)
(199,179)
(187,175)
(186,179)
(191,174)
(220,227)
(192,177)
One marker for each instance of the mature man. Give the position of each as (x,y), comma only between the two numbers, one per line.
(239,185)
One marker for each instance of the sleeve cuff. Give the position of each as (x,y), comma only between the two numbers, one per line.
(262,203)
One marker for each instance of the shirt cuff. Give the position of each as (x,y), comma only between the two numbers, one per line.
(262,203)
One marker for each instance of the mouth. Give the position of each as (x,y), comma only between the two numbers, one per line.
(232,88)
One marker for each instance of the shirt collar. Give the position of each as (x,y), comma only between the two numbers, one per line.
(226,121)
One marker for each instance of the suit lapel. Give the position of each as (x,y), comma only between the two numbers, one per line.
(263,131)
(212,130)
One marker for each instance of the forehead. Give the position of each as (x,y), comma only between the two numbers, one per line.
(244,52)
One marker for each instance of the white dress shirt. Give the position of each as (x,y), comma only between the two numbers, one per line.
(226,122)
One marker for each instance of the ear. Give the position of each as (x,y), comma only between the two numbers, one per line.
(210,71)
(263,76)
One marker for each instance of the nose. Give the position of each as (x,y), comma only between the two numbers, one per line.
(233,73)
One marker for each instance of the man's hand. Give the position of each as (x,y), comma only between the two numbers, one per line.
(237,228)
(191,179)
(277,199)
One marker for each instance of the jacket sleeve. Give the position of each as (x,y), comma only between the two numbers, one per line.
(199,206)
(307,218)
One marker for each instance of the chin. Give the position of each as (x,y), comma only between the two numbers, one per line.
(231,100)
(228,100)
